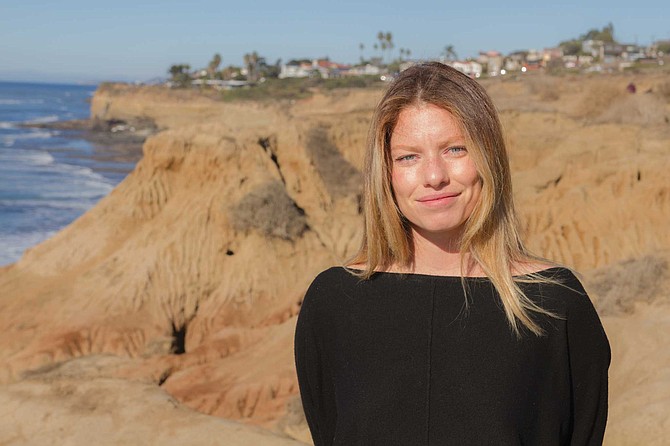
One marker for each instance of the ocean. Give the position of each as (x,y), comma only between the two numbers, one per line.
(48,177)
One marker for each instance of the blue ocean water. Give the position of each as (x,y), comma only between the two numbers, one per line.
(48,177)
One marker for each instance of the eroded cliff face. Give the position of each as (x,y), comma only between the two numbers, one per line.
(196,264)
(194,267)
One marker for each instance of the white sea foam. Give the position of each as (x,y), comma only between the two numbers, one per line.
(39,134)
(32,133)
(41,158)
(40,192)
(12,246)
(21,101)
(26,157)
(9,140)
(76,187)
(65,181)
(44,205)
(43,120)
(80,171)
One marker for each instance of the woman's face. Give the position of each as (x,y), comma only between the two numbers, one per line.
(434,178)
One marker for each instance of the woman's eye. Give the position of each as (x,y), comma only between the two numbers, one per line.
(456,150)
(406,158)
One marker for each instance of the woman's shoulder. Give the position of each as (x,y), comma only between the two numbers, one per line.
(532,267)
(330,281)
(324,291)
(561,288)
(558,284)
(548,273)
(333,276)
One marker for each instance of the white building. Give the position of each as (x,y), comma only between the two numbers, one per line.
(469,67)
(296,69)
(365,70)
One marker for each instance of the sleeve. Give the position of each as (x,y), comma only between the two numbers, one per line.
(589,357)
(314,379)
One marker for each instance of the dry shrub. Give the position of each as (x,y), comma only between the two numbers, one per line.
(663,90)
(340,177)
(616,288)
(637,109)
(597,98)
(271,211)
(547,89)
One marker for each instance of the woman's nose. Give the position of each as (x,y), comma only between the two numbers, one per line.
(435,173)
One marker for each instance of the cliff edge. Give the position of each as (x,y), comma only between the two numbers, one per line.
(191,272)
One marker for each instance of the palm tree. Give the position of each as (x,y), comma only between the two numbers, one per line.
(450,53)
(180,75)
(381,37)
(361,47)
(251,63)
(176,70)
(388,37)
(214,65)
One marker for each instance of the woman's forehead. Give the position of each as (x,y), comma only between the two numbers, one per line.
(426,123)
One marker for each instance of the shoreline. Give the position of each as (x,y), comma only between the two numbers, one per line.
(112,131)
(96,158)
(113,141)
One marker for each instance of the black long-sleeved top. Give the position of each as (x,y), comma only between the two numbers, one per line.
(399,360)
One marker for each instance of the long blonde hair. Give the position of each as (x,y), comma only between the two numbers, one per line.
(491,234)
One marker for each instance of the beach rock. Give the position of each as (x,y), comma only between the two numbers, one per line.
(74,403)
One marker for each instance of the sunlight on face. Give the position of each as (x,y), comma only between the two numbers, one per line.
(434,179)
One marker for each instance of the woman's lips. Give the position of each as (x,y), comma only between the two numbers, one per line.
(437,199)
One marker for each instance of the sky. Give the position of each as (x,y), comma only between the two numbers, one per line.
(92,41)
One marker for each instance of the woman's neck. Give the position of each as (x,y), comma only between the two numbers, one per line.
(439,254)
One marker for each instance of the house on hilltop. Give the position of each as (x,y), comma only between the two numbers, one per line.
(491,61)
(470,67)
(609,52)
(309,68)
(365,70)
(296,68)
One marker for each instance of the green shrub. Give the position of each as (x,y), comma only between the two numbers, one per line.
(297,88)
(269,210)
(339,177)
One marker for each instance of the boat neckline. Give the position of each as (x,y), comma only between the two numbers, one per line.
(394,273)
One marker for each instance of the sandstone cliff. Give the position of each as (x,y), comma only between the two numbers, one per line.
(193,269)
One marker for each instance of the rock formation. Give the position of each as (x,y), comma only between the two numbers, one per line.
(190,274)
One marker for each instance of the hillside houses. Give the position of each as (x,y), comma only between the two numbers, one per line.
(580,55)
(594,56)
(323,68)
(470,67)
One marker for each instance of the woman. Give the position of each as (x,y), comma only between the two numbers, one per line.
(444,329)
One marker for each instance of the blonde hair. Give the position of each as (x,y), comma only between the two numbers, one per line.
(491,234)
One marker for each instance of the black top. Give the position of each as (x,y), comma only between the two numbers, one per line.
(400,360)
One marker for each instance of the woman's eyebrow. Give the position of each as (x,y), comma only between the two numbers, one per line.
(448,142)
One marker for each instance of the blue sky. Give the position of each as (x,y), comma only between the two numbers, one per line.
(73,40)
